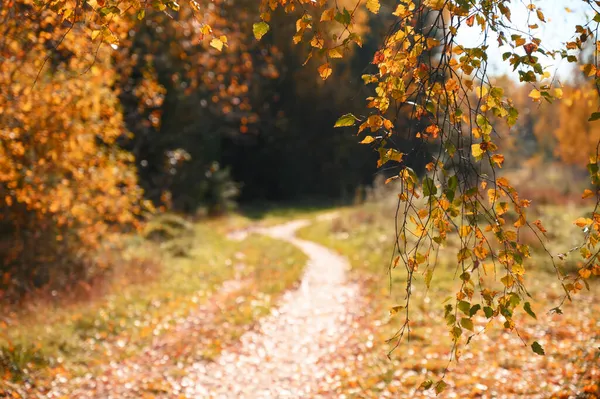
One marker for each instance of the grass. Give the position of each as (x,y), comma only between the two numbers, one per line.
(365,236)
(77,337)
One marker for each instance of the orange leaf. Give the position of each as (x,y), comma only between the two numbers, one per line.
(325,71)
(538,224)
(582,222)
(498,159)
(587,193)
(503,182)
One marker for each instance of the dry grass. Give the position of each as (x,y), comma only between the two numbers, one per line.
(170,278)
(365,235)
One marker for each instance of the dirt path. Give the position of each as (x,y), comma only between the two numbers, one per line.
(289,354)
(281,358)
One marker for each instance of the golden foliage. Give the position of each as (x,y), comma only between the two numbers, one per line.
(66,186)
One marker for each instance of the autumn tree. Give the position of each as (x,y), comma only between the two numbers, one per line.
(66,187)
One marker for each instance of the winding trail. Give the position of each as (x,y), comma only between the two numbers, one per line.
(292,353)
(282,358)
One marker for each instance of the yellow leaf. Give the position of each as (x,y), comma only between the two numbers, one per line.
(373,6)
(465,231)
(476,150)
(395,155)
(403,10)
(317,42)
(507,280)
(481,252)
(367,140)
(335,53)
(540,15)
(328,15)
(431,42)
(216,43)
(435,4)
(521,221)
(325,71)
(375,122)
(558,92)
(535,94)
(206,29)
(260,29)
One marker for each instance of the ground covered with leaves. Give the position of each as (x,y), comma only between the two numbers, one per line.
(497,363)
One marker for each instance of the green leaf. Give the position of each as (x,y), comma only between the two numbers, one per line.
(464,307)
(429,187)
(344,17)
(595,116)
(440,387)
(104,11)
(489,312)
(428,277)
(537,348)
(453,182)
(346,120)
(527,307)
(484,124)
(456,332)
(395,309)
(514,299)
(465,276)
(467,323)
(426,384)
(474,310)
(260,29)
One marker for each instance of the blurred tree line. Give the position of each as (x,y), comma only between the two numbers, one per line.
(254,121)
(251,120)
